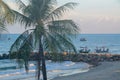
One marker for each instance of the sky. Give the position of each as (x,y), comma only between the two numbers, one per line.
(92,16)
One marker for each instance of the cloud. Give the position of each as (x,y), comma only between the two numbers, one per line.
(100,25)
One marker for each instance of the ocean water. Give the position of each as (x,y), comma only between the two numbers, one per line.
(9,70)
(6,40)
(110,41)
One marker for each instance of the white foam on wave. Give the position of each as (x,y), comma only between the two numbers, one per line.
(53,70)
(70,64)
(71,72)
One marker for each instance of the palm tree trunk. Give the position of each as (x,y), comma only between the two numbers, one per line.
(41,59)
(38,67)
(44,67)
(26,67)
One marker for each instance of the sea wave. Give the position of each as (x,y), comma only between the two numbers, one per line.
(53,70)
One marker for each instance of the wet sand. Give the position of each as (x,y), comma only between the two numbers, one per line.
(105,71)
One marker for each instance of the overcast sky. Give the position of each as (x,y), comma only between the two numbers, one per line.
(92,16)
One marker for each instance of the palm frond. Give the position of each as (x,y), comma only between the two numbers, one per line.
(20,41)
(2,26)
(37,9)
(51,44)
(23,19)
(21,4)
(47,8)
(63,27)
(57,43)
(6,12)
(66,43)
(58,12)
(27,11)
(22,48)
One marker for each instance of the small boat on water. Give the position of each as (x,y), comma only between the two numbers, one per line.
(83,39)
(9,38)
(101,50)
(84,50)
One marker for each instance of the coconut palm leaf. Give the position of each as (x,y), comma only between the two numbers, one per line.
(21,4)
(58,12)
(49,45)
(63,27)
(55,42)
(23,19)
(6,12)
(21,41)
(22,48)
(44,8)
(2,26)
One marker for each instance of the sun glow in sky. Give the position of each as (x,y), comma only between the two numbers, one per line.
(93,16)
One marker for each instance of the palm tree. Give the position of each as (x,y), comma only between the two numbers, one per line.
(48,33)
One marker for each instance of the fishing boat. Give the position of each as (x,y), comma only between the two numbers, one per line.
(83,39)
(84,50)
(101,50)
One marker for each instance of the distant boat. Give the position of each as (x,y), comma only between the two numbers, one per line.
(83,39)
(84,50)
(101,50)
(9,38)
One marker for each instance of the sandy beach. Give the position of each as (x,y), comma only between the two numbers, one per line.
(105,71)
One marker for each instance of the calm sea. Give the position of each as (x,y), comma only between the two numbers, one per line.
(111,41)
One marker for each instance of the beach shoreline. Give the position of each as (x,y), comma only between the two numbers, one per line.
(105,71)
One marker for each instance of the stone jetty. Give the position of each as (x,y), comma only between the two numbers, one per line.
(4,56)
(91,58)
